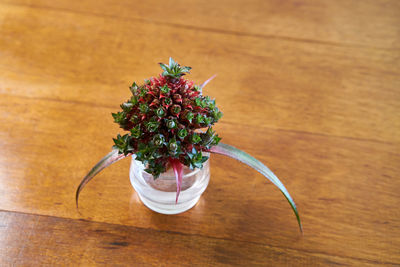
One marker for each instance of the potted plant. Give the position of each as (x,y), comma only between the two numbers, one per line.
(170,139)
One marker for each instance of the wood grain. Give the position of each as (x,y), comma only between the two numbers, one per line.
(317,88)
(341,22)
(308,87)
(330,178)
(43,240)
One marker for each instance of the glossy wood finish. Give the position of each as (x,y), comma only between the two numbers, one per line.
(311,88)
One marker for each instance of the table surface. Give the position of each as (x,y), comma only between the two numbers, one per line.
(311,88)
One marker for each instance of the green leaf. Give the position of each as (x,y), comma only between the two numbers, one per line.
(122,143)
(195,138)
(209,138)
(174,70)
(134,119)
(163,66)
(119,117)
(182,133)
(185,69)
(155,168)
(199,119)
(245,158)
(143,107)
(109,159)
(167,101)
(173,146)
(197,101)
(171,62)
(189,116)
(160,112)
(152,125)
(127,106)
(147,152)
(158,139)
(134,100)
(134,88)
(195,159)
(136,132)
(176,109)
(171,124)
(207,121)
(143,92)
(165,89)
(216,114)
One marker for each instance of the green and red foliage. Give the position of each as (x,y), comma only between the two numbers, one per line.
(164,118)
(169,121)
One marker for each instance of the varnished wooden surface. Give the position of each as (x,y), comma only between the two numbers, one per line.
(311,88)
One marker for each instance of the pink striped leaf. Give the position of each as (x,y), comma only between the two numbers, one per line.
(230,151)
(109,159)
(206,82)
(178,170)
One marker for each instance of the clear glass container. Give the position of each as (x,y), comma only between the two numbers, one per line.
(160,194)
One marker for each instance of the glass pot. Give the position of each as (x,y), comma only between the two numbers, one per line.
(159,194)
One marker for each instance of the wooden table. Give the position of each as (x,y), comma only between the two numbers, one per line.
(311,88)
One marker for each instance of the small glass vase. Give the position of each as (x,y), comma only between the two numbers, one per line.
(159,194)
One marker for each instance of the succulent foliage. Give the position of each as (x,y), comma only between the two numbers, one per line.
(164,118)
(169,121)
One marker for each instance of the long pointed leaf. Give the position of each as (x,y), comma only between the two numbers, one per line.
(206,82)
(242,156)
(109,159)
(178,170)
